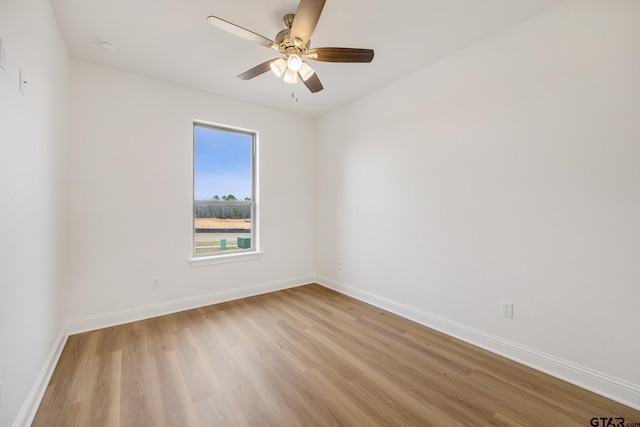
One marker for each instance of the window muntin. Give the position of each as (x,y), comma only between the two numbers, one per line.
(224,199)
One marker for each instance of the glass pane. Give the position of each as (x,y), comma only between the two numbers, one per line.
(222,165)
(222,227)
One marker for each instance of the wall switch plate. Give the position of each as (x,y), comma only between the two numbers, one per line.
(506,308)
(23,82)
(155,282)
(3,57)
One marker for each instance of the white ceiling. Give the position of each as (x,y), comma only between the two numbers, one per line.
(171,40)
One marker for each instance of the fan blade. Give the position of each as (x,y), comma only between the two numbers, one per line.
(340,54)
(306,19)
(312,83)
(257,70)
(236,30)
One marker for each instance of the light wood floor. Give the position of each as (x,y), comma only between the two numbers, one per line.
(301,357)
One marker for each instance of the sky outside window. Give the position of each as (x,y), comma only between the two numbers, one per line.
(222,164)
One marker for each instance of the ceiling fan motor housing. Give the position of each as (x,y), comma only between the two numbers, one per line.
(283,35)
(288,45)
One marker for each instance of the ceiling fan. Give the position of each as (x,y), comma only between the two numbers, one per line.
(293,45)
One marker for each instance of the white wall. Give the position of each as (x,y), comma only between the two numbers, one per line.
(33,134)
(509,171)
(131,191)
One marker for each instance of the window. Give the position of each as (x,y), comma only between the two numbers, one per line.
(224,196)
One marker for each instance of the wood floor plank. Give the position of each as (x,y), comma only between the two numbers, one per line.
(104,405)
(306,356)
(194,369)
(178,409)
(216,411)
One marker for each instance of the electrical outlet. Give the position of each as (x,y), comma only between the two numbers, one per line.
(155,282)
(506,308)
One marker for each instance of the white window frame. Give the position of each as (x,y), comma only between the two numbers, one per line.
(213,258)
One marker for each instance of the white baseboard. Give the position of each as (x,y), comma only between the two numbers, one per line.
(74,326)
(119,317)
(605,385)
(30,406)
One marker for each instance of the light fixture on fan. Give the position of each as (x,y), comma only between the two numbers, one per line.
(291,68)
(279,66)
(290,76)
(306,71)
(294,62)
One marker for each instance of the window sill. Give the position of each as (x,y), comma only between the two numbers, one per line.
(224,259)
